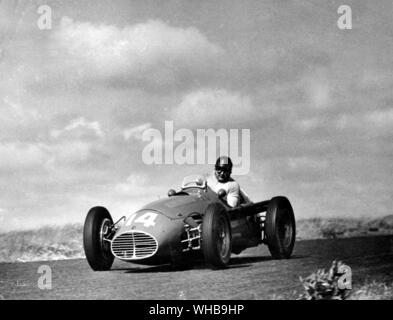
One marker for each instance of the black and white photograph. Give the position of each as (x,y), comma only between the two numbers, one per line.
(184,150)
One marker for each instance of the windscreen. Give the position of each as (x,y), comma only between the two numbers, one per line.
(194,181)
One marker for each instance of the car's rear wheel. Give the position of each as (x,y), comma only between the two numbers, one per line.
(280,228)
(96,229)
(216,237)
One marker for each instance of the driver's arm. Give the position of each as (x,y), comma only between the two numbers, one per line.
(233,197)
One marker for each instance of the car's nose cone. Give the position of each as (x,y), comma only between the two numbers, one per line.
(132,245)
(146,235)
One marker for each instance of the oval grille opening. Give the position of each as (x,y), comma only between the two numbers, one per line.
(134,245)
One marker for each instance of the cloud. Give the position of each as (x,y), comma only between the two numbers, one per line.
(3,214)
(80,127)
(208,107)
(15,112)
(21,155)
(17,155)
(308,123)
(307,163)
(68,152)
(373,122)
(138,184)
(136,132)
(317,88)
(381,118)
(319,94)
(152,51)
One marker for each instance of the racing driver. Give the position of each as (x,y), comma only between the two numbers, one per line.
(221,179)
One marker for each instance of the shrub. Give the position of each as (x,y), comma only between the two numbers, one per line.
(323,285)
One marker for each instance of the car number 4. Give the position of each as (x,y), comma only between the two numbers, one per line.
(147,219)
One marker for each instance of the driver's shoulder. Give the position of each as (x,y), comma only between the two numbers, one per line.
(233,186)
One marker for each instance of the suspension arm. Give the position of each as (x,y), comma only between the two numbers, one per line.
(248,209)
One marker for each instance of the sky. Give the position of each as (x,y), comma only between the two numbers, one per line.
(76,100)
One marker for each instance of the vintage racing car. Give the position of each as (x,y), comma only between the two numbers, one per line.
(193,223)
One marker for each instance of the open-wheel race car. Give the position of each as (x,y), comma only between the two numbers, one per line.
(191,224)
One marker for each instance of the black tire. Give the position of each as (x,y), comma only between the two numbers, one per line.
(280,228)
(216,237)
(97,251)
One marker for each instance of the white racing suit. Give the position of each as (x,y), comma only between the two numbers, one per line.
(235,196)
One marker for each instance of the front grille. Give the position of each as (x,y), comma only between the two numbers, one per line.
(134,245)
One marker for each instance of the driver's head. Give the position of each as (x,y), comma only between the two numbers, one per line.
(223,169)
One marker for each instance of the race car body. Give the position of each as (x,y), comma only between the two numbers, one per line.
(190,224)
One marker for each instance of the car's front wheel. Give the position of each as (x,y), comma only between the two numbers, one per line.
(216,237)
(96,229)
(280,228)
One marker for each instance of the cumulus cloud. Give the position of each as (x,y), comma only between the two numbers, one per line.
(382,118)
(208,107)
(308,123)
(80,127)
(21,155)
(2,214)
(377,121)
(66,153)
(317,88)
(13,111)
(153,51)
(17,155)
(307,163)
(137,184)
(136,132)
(16,116)
(319,94)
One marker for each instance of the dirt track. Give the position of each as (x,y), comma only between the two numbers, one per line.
(251,275)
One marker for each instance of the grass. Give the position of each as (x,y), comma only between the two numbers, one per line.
(46,243)
(373,291)
(325,285)
(331,228)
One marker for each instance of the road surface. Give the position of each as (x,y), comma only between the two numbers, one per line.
(251,275)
